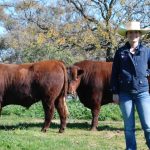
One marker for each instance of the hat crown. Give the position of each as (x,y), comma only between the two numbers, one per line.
(133,25)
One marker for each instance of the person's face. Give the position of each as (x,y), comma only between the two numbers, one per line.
(133,36)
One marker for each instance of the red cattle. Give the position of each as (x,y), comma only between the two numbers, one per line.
(91,81)
(26,84)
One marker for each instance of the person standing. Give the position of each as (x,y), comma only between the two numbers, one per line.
(130,84)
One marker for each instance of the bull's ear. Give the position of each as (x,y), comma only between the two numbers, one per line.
(80,72)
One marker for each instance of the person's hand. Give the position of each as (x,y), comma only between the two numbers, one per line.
(116,98)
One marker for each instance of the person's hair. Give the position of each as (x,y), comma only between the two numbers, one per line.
(127,32)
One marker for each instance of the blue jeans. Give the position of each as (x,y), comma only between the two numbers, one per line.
(127,103)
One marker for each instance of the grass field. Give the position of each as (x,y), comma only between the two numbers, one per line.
(20,130)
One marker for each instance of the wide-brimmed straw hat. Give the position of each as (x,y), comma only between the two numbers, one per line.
(132,26)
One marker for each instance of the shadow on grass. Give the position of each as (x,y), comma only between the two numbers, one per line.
(83,125)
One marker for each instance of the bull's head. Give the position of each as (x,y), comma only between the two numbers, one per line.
(74,78)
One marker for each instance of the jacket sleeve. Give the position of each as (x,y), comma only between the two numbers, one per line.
(115,74)
(148,70)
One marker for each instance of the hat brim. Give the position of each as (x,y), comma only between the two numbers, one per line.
(122,31)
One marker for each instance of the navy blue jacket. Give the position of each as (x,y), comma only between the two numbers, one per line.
(130,71)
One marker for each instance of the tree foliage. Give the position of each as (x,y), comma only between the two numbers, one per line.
(70,30)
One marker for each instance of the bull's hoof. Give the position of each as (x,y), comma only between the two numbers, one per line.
(43,130)
(61,130)
(93,129)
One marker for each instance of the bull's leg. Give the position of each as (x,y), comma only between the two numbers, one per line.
(0,109)
(62,109)
(0,105)
(95,113)
(48,107)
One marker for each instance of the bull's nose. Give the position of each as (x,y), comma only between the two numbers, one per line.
(70,92)
(73,92)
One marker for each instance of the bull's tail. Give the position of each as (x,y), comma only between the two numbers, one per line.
(65,88)
(65,105)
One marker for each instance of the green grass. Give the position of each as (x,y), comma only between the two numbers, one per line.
(23,133)
(76,110)
(20,130)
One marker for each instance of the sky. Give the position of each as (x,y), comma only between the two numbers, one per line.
(2,31)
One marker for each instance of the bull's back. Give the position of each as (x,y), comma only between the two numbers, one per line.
(16,80)
(95,81)
(25,84)
(48,76)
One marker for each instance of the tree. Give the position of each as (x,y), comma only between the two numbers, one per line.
(106,16)
(70,30)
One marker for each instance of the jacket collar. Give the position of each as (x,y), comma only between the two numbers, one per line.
(138,48)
